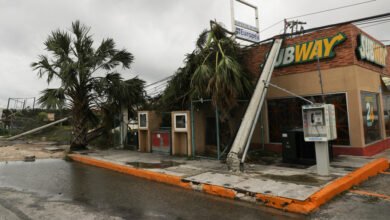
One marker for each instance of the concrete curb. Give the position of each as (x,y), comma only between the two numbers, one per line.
(304,207)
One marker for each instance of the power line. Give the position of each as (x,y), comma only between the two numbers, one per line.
(162,86)
(318,12)
(156,89)
(331,9)
(377,23)
(161,80)
(272,25)
(372,21)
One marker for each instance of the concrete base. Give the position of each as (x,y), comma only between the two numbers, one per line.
(233,162)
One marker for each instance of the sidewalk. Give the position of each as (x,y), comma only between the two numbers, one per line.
(291,189)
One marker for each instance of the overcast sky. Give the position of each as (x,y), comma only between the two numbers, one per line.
(157,32)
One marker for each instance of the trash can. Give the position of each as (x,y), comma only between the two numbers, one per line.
(297,150)
(290,142)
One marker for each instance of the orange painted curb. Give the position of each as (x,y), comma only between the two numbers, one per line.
(304,207)
(328,192)
(159,177)
(387,173)
(219,191)
(366,193)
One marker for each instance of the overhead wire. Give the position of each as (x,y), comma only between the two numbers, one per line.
(159,81)
(318,12)
(384,18)
(375,24)
(332,9)
(156,87)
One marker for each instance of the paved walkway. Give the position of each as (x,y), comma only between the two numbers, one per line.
(273,180)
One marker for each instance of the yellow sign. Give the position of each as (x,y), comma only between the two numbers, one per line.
(309,51)
(371,51)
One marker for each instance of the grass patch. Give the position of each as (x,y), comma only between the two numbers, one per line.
(61,134)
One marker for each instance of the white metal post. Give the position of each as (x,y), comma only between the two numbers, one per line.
(322,158)
(232,15)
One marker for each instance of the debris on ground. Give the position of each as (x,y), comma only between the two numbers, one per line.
(20,150)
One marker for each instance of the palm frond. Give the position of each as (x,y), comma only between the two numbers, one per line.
(52,98)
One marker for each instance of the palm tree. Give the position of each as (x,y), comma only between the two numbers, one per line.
(177,95)
(118,94)
(219,74)
(88,76)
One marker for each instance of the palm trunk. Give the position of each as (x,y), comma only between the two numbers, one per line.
(80,129)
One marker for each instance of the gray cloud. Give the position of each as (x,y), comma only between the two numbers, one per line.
(158,32)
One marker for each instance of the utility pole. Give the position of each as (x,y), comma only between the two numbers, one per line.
(295,26)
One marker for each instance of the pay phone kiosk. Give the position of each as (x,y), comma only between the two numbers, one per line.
(319,122)
(319,126)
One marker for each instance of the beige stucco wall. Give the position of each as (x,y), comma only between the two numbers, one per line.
(181,138)
(145,134)
(350,80)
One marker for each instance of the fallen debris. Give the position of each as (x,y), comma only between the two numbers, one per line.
(29,158)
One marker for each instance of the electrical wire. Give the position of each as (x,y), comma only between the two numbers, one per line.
(318,12)
(159,81)
(383,22)
(158,86)
(385,18)
(332,9)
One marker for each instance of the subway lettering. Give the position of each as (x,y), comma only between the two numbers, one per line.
(309,51)
(371,51)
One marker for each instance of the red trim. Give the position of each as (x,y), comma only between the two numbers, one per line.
(369,150)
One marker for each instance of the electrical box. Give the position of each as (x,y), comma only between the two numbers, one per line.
(319,122)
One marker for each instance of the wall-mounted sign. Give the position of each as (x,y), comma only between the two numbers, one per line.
(371,51)
(308,51)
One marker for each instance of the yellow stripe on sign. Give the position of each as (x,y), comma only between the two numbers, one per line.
(302,51)
(317,50)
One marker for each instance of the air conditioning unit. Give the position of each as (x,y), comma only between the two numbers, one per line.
(180,121)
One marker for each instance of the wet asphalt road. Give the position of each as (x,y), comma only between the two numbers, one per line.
(350,205)
(122,195)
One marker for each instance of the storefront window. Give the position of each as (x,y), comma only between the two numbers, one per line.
(370,117)
(286,114)
(386,113)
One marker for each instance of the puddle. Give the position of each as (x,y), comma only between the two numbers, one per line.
(163,164)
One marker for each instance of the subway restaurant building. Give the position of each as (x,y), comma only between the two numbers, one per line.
(356,79)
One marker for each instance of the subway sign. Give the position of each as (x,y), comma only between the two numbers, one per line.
(308,51)
(371,51)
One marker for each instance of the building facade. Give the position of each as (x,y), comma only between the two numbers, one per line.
(353,66)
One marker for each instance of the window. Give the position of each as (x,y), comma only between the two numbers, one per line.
(386,113)
(286,114)
(143,120)
(371,123)
(180,121)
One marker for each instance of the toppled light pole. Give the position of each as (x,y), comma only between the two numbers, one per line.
(245,132)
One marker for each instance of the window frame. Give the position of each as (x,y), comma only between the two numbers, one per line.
(345,93)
